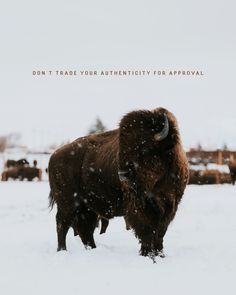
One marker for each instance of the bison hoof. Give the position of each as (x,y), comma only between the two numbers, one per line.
(161,254)
(144,252)
(89,247)
(152,254)
(61,249)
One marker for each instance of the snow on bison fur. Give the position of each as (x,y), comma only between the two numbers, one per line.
(139,171)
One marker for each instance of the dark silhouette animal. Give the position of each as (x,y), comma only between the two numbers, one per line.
(139,171)
(232,169)
(30,173)
(22,173)
(13,163)
(211,176)
(10,173)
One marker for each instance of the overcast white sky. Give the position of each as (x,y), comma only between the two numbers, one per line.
(75,34)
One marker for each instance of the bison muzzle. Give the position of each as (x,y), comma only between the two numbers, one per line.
(139,171)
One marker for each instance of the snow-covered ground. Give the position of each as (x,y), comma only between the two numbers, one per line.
(200,248)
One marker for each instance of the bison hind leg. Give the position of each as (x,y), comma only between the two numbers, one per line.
(63,224)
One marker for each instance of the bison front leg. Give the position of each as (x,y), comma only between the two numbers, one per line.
(86,221)
(150,238)
(146,241)
(143,232)
(158,240)
(152,245)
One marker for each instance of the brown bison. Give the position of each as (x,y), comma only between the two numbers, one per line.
(30,173)
(22,173)
(12,173)
(14,163)
(212,176)
(139,171)
(232,169)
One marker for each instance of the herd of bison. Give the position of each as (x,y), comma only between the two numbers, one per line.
(138,171)
(21,170)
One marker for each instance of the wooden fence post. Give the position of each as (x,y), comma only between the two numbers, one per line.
(220,158)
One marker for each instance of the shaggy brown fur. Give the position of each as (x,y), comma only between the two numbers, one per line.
(124,172)
(232,169)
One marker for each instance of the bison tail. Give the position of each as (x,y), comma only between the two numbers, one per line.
(51,200)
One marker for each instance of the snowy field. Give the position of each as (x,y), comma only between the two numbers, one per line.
(200,248)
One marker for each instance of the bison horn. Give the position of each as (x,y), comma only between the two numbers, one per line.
(164,132)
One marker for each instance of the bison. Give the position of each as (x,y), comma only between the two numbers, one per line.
(30,173)
(22,173)
(212,176)
(232,169)
(12,173)
(14,163)
(138,170)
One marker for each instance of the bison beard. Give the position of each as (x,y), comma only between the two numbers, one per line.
(139,171)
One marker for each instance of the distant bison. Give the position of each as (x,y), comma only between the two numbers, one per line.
(232,169)
(139,171)
(10,173)
(13,163)
(22,173)
(30,173)
(212,176)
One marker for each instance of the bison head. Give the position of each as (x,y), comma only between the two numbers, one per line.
(148,132)
(146,139)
